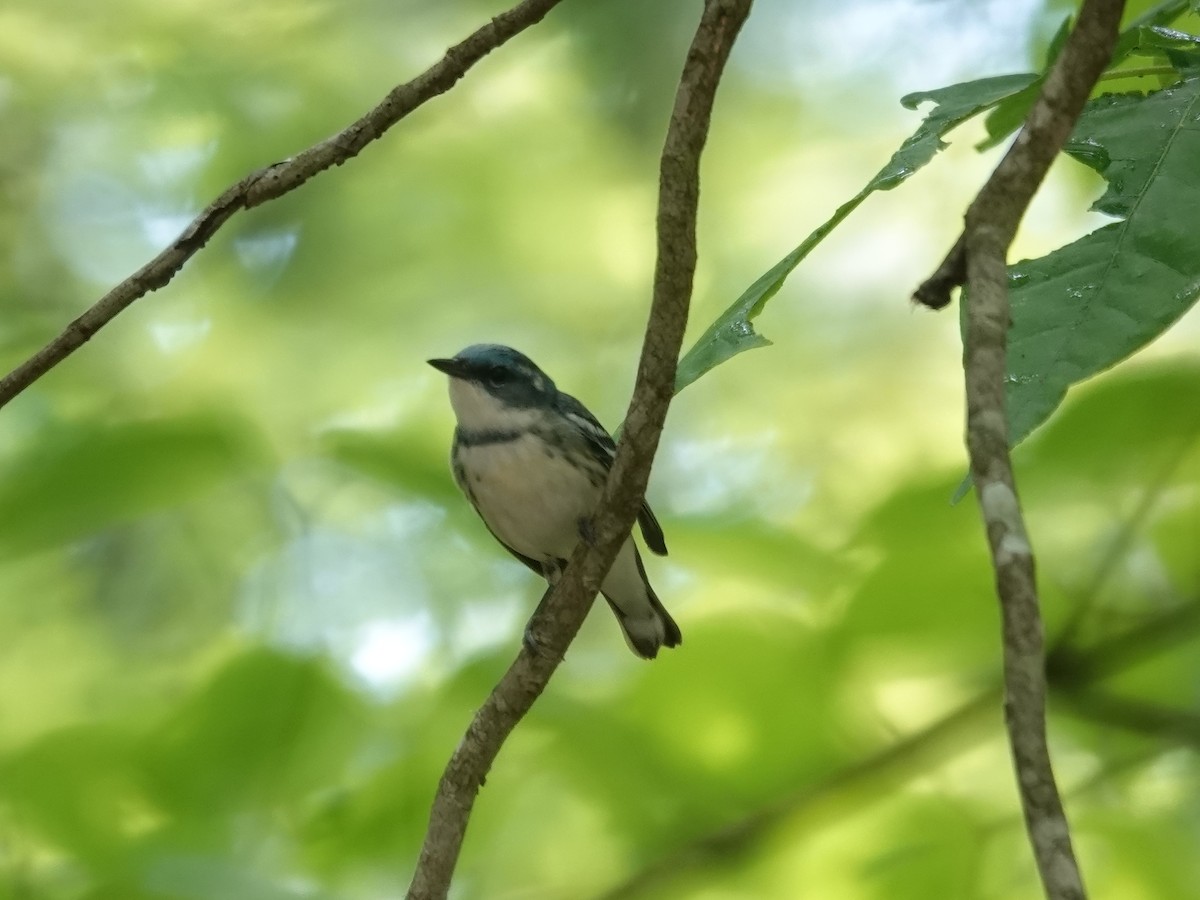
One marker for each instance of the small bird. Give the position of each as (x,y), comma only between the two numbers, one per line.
(533,462)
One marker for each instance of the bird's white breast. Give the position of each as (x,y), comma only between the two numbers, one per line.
(532,499)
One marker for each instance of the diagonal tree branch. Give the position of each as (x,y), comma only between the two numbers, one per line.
(1072,667)
(1080,671)
(1014,182)
(856,785)
(1168,723)
(274,181)
(565,606)
(1120,545)
(980,256)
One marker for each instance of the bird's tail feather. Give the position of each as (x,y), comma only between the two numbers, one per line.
(647,634)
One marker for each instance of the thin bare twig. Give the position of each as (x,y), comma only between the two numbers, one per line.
(564,608)
(991,224)
(274,181)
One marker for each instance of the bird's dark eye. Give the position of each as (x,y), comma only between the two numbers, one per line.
(497,377)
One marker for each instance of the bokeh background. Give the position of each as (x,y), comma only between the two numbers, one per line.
(245,616)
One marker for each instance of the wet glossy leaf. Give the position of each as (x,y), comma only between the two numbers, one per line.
(1144,38)
(1090,304)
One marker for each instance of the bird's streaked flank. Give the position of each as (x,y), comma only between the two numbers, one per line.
(533,461)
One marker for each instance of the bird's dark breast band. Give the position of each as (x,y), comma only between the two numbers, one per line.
(483,438)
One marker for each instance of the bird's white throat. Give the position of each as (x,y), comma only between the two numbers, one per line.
(477,410)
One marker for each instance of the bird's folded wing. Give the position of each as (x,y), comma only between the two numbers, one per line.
(602,447)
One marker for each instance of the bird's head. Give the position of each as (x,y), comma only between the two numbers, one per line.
(495,387)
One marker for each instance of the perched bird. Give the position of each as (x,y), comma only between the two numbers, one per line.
(533,461)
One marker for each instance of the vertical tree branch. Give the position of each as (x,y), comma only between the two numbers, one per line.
(274,181)
(991,223)
(563,610)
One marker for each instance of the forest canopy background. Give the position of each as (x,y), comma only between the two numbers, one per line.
(244,614)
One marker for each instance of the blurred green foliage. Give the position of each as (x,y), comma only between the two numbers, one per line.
(244,616)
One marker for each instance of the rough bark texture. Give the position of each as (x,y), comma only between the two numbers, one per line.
(275,181)
(980,257)
(563,610)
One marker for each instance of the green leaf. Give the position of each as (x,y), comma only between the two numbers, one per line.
(954,105)
(928,581)
(733,331)
(1086,443)
(1165,12)
(780,661)
(767,553)
(66,786)
(1160,841)
(269,727)
(1135,38)
(1175,535)
(1174,48)
(198,876)
(76,479)
(1142,38)
(1088,305)
(404,458)
(1009,115)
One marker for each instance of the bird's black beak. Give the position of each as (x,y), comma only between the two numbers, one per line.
(452,367)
